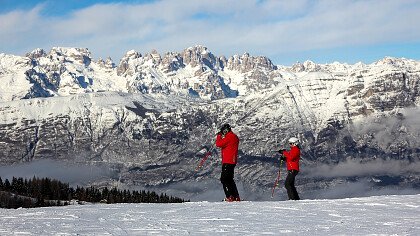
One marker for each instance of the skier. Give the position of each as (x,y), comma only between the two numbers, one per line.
(228,142)
(292,162)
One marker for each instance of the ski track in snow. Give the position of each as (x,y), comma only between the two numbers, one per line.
(381,215)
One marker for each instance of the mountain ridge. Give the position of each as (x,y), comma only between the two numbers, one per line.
(147,116)
(194,71)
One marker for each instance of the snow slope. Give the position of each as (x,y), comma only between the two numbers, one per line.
(382,215)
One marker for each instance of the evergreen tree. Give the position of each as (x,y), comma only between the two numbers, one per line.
(1,184)
(7,186)
(40,202)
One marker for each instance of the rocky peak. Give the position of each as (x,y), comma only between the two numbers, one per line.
(124,62)
(37,53)
(222,61)
(132,54)
(311,66)
(398,63)
(197,55)
(246,63)
(154,56)
(388,61)
(297,67)
(307,66)
(108,64)
(172,62)
(80,55)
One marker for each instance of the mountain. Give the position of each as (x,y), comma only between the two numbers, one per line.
(195,71)
(148,117)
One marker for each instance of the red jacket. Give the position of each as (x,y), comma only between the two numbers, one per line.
(292,158)
(229,145)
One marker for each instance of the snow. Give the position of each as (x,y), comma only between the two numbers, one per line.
(13,81)
(44,108)
(380,215)
(235,80)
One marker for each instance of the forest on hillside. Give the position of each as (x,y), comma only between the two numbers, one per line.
(43,192)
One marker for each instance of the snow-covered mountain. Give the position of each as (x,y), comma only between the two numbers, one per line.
(148,116)
(195,72)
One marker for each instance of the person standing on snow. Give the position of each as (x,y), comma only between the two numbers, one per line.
(228,142)
(292,158)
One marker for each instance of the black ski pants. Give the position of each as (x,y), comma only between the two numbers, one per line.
(289,184)
(228,183)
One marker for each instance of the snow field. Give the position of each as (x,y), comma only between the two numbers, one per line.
(380,215)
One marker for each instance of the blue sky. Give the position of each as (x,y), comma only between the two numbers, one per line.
(285,31)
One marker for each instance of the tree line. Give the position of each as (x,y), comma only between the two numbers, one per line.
(42,192)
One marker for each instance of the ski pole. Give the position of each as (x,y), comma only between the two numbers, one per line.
(206,155)
(277,180)
(203,160)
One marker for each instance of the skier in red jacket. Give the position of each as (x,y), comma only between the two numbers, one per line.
(228,142)
(292,158)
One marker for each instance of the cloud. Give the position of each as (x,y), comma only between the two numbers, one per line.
(267,27)
(361,188)
(390,132)
(357,168)
(73,174)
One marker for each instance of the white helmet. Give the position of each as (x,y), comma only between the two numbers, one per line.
(294,140)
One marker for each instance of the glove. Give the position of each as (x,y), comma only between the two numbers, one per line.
(282,158)
(281,151)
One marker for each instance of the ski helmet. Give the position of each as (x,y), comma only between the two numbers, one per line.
(294,140)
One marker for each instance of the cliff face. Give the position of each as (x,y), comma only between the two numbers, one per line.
(148,116)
